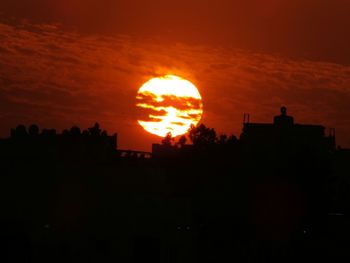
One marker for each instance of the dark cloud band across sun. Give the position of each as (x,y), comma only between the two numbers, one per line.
(176,104)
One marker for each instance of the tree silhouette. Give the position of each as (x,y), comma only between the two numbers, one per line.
(33,130)
(48,133)
(222,139)
(182,141)
(75,131)
(232,139)
(85,133)
(202,135)
(20,131)
(168,139)
(95,131)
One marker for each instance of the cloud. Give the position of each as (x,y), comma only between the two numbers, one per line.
(313,29)
(180,103)
(60,78)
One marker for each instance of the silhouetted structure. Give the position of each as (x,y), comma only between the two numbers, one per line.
(134,154)
(280,193)
(282,136)
(285,136)
(283,120)
(73,143)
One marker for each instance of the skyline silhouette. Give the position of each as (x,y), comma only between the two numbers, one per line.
(278,192)
(282,120)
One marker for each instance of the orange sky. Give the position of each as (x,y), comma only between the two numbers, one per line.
(76,62)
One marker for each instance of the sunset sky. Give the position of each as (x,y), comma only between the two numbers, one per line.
(75,62)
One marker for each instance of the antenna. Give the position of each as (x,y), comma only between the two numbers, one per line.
(246,118)
(332,137)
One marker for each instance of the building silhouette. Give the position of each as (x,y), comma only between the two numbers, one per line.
(279,193)
(280,136)
(285,136)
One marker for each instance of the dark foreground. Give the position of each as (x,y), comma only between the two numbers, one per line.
(279,193)
(220,207)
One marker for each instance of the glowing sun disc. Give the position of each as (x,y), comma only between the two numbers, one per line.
(169,104)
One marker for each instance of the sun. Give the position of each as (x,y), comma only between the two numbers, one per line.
(169,104)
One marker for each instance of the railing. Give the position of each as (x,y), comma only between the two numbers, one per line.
(134,154)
